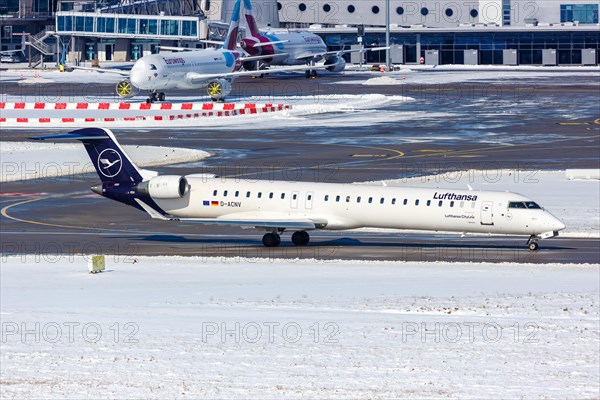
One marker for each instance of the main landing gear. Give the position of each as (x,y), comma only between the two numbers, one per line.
(154,96)
(272,239)
(532,243)
(310,74)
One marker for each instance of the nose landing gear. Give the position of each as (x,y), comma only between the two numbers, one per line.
(532,243)
(154,96)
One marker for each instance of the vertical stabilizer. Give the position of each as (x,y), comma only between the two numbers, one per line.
(250,18)
(234,28)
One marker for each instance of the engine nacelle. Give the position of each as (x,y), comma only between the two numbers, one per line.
(218,89)
(165,187)
(335,64)
(126,89)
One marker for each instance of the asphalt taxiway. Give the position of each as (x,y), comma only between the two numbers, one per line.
(49,216)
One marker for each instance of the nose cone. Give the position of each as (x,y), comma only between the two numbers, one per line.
(136,76)
(558,225)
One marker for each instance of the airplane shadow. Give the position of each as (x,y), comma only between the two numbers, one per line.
(504,244)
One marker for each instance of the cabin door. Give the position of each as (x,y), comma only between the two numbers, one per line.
(487,216)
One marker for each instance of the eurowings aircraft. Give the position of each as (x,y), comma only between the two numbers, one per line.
(299,48)
(278,206)
(213,68)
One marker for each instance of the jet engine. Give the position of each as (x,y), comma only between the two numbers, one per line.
(335,64)
(218,89)
(126,89)
(165,187)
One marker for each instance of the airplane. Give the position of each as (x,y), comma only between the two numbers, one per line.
(214,68)
(296,48)
(278,206)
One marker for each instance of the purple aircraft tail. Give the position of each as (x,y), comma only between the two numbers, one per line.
(250,19)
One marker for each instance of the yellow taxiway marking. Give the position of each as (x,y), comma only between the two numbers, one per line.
(573,123)
(431,151)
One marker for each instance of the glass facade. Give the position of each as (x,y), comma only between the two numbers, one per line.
(584,13)
(490,45)
(181,27)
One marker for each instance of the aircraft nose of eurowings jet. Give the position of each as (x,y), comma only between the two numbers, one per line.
(136,75)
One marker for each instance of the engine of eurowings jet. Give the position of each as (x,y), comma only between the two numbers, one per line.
(335,64)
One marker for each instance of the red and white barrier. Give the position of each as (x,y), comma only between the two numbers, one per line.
(255,109)
(138,106)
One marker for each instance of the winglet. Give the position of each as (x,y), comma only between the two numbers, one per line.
(151,211)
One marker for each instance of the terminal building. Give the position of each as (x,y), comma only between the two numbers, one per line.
(492,32)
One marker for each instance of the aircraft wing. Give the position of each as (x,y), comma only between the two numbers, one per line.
(195,77)
(291,223)
(102,70)
(309,56)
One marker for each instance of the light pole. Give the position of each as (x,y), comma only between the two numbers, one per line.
(388,63)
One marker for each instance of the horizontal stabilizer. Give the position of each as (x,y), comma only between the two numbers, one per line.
(269,43)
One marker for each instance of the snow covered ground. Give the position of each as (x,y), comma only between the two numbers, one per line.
(245,328)
(35,160)
(575,202)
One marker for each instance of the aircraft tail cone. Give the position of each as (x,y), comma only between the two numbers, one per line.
(97,189)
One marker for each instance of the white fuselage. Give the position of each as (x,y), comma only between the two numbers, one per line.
(161,72)
(296,49)
(347,206)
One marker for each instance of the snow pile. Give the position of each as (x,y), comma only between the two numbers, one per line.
(575,202)
(35,81)
(254,329)
(382,80)
(34,160)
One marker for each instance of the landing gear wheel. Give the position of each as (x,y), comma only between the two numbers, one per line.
(307,74)
(313,74)
(151,98)
(271,240)
(300,238)
(533,246)
(161,96)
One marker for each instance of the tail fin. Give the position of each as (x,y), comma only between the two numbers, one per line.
(111,162)
(234,27)
(250,19)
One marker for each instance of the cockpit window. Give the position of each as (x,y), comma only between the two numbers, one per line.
(526,204)
(153,67)
(516,204)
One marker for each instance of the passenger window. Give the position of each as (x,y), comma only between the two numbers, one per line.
(326,197)
(370,200)
(337,198)
(259,195)
(215,192)
(462,204)
(225,193)
(248,194)
(416,202)
(347,199)
(309,197)
(428,203)
(237,193)
(405,202)
(393,201)
(440,203)
(294,197)
(382,201)
(282,196)
(452,204)
(271,195)
(358,199)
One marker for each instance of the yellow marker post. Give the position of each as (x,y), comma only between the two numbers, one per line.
(96,264)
